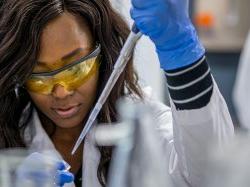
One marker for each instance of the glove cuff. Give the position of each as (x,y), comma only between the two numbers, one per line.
(180,51)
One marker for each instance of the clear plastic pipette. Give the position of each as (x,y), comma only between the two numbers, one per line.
(120,64)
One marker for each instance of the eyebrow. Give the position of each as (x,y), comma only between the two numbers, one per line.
(65,57)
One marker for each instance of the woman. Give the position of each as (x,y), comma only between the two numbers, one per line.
(56,56)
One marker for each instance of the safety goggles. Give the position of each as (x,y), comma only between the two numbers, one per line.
(70,76)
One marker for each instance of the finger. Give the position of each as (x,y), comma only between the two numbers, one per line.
(144,21)
(65,177)
(142,4)
(61,166)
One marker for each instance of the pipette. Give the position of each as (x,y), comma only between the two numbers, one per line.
(120,64)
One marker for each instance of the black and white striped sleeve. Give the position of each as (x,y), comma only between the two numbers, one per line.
(190,87)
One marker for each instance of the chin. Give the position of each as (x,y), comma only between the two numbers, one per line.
(69,123)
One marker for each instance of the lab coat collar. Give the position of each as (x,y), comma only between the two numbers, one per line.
(37,140)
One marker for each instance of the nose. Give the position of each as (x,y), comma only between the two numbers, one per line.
(60,92)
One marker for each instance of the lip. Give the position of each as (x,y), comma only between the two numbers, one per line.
(67,112)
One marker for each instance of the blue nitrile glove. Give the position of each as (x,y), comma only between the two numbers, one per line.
(168,25)
(61,177)
(64,176)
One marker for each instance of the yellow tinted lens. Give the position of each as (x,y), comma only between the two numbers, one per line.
(77,75)
(70,78)
(39,85)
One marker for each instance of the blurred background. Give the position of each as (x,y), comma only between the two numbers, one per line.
(222,26)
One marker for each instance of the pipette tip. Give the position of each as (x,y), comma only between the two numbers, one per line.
(75,147)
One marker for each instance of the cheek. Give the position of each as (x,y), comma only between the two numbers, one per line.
(89,89)
(41,101)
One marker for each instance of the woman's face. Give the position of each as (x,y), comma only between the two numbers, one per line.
(61,39)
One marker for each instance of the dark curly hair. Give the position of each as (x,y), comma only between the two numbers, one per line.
(21,25)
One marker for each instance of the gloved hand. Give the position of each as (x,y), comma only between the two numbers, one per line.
(64,176)
(61,177)
(168,25)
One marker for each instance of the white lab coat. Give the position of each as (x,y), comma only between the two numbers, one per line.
(144,46)
(185,135)
(241,94)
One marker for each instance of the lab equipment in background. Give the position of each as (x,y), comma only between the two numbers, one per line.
(120,64)
(237,20)
(233,14)
(241,93)
(205,23)
(17,170)
(229,24)
(230,166)
(138,158)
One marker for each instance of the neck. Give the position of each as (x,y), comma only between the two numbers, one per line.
(57,133)
(66,135)
(64,140)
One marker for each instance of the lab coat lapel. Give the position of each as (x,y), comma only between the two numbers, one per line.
(38,141)
(91,161)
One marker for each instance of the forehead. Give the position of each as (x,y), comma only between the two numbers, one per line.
(62,36)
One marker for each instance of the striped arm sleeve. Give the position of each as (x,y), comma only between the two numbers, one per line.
(190,87)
